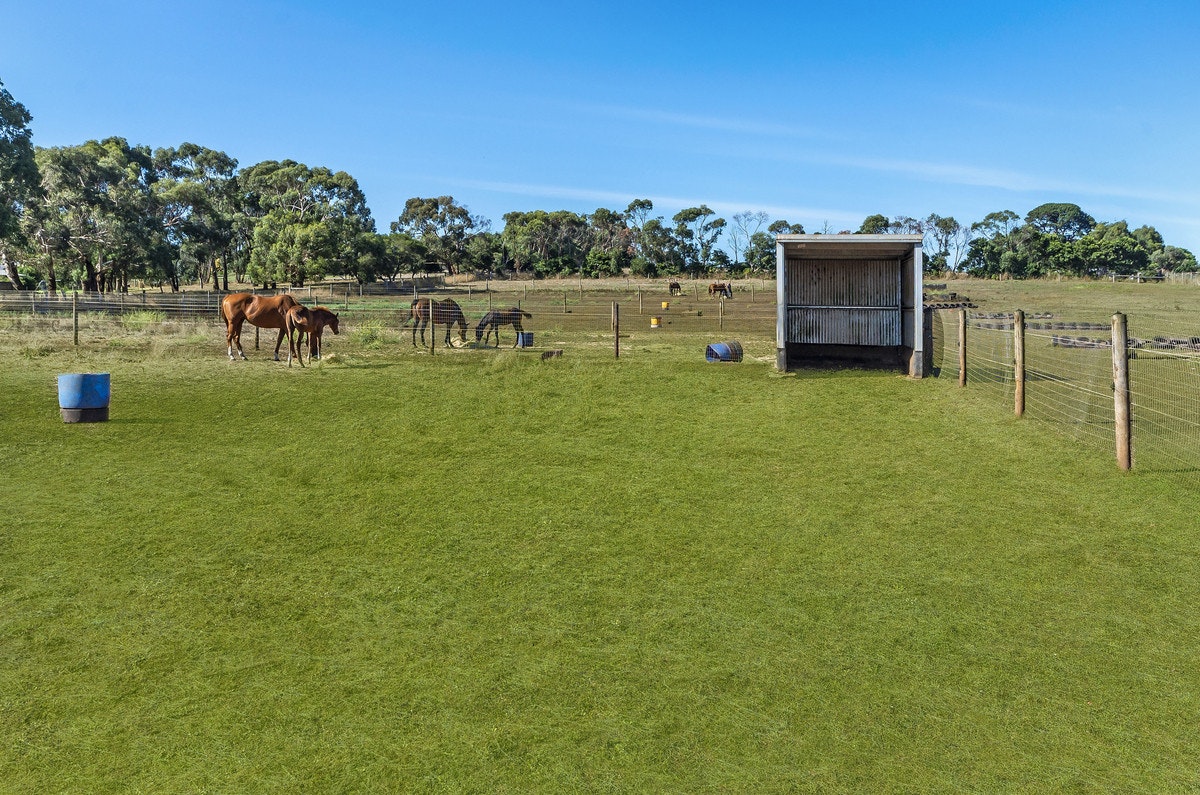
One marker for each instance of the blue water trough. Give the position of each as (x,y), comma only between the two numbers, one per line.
(84,397)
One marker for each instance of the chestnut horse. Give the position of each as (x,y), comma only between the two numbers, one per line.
(261,310)
(312,322)
(447,312)
(493,320)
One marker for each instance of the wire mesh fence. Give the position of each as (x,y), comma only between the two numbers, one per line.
(1069,377)
(561,307)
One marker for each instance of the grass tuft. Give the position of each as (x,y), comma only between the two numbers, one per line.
(142,319)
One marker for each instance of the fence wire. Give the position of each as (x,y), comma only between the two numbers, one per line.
(1069,377)
(1164,379)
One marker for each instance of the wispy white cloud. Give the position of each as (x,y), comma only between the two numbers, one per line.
(619,200)
(924,170)
(719,123)
(975,176)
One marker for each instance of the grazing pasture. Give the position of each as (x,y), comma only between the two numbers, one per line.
(480,571)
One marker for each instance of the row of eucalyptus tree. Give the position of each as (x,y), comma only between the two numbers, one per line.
(1056,238)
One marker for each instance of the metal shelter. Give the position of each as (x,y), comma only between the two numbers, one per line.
(850,300)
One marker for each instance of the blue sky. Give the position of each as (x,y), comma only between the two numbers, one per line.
(820,114)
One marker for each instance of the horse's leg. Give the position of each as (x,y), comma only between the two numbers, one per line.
(237,339)
(279,342)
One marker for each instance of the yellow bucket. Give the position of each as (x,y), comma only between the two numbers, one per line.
(655,322)
(666,304)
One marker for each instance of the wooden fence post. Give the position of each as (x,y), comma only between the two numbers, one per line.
(1019,363)
(75,315)
(721,314)
(616,330)
(1121,398)
(962,347)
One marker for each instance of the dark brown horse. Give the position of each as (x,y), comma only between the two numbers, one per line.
(674,288)
(264,311)
(493,320)
(312,322)
(447,312)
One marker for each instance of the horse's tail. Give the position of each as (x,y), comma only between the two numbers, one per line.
(412,312)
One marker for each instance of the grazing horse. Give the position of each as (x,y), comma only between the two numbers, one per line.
(261,310)
(675,289)
(312,322)
(722,289)
(493,320)
(426,311)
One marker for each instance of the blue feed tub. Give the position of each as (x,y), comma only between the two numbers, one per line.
(83,397)
(730,351)
(524,339)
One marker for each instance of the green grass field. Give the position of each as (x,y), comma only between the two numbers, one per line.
(481,572)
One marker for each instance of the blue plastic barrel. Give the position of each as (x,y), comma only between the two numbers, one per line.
(83,397)
(524,339)
(730,351)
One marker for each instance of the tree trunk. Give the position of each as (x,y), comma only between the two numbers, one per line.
(90,283)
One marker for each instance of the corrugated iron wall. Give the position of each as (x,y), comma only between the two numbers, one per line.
(844,301)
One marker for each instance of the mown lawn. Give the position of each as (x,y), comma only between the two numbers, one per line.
(481,572)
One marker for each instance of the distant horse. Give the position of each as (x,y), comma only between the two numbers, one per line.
(312,322)
(675,289)
(261,310)
(447,312)
(493,320)
(722,289)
